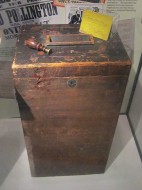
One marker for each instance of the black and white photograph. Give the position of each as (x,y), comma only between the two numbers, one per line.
(74,11)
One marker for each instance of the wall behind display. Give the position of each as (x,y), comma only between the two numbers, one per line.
(135,112)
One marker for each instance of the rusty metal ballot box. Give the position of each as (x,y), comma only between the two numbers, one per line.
(69,99)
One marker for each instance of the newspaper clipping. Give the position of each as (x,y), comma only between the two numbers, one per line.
(14,13)
(63,2)
(74,12)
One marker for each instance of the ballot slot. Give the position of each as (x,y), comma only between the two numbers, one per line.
(69,39)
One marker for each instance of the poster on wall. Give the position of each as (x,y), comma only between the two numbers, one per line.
(94,1)
(63,2)
(74,12)
(15,13)
(126,9)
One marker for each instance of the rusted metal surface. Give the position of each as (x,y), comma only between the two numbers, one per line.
(69,101)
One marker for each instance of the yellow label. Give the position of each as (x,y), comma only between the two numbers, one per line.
(96,24)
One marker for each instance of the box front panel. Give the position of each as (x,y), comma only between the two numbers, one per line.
(69,123)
